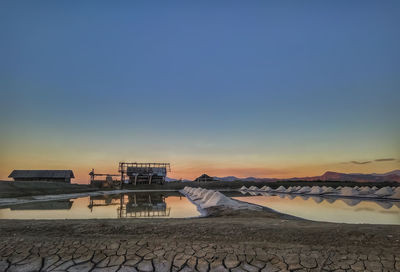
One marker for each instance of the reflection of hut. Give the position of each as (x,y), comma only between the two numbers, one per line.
(204,178)
(47,205)
(42,175)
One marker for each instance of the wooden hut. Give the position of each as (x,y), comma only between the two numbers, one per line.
(42,175)
(204,178)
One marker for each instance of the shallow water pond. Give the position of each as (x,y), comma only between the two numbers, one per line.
(339,210)
(127,205)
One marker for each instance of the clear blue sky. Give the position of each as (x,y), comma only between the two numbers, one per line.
(273,85)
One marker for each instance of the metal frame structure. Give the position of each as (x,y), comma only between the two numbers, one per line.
(129,169)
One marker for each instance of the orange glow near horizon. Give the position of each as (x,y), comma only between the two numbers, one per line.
(187,172)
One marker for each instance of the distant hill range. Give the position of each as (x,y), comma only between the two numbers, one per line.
(327,176)
(330,176)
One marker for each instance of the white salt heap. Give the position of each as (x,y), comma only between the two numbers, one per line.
(253,188)
(290,190)
(385,191)
(396,194)
(280,189)
(266,188)
(209,198)
(244,188)
(304,190)
(365,190)
(315,190)
(348,191)
(328,190)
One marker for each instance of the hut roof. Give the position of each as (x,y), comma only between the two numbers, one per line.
(204,177)
(42,174)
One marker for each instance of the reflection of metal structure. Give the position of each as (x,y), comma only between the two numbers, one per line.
(144,205)
(101,201)
(133,204)
(144,173)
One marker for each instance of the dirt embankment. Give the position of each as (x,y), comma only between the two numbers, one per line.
(231,241)
(10,189)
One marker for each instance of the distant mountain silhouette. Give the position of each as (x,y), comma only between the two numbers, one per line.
(327,176)
(335,176)
(330,176)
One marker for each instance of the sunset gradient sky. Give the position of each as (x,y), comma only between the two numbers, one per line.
(260,88)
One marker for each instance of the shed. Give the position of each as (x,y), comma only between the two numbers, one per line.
(204,178)
(42,175)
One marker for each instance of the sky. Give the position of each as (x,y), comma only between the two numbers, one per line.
(259,88)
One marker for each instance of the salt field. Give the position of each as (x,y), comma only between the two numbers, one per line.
(123,205)
(329,209)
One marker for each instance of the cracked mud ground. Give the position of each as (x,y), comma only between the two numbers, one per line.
(235,242)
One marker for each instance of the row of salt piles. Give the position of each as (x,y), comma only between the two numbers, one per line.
(364,191)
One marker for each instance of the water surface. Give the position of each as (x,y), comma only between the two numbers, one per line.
(127,205)
(339,210)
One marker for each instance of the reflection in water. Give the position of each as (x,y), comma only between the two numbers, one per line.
(327,209)
(51,205)
(134,204)
(385,205)
(143,204)
(351,202)
(317,199)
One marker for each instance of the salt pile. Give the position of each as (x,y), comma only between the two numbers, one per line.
(385,191)
(218,199)
(209,198)
(396,194)
(348,191)
(365,190)
(266,188)
(304,190)
(280,189)
(253,188)
(290,190)
(243,188)
(328,190)
(315,190)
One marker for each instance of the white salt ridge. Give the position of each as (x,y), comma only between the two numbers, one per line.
(266,189)
(208,198)
(315,190)
(348,191)
(328,190)
(303,190)
(396,194)
(385,191)
(291,189)
(365,190)
(280,189)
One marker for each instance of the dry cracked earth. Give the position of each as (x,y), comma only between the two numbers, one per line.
(226,243)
